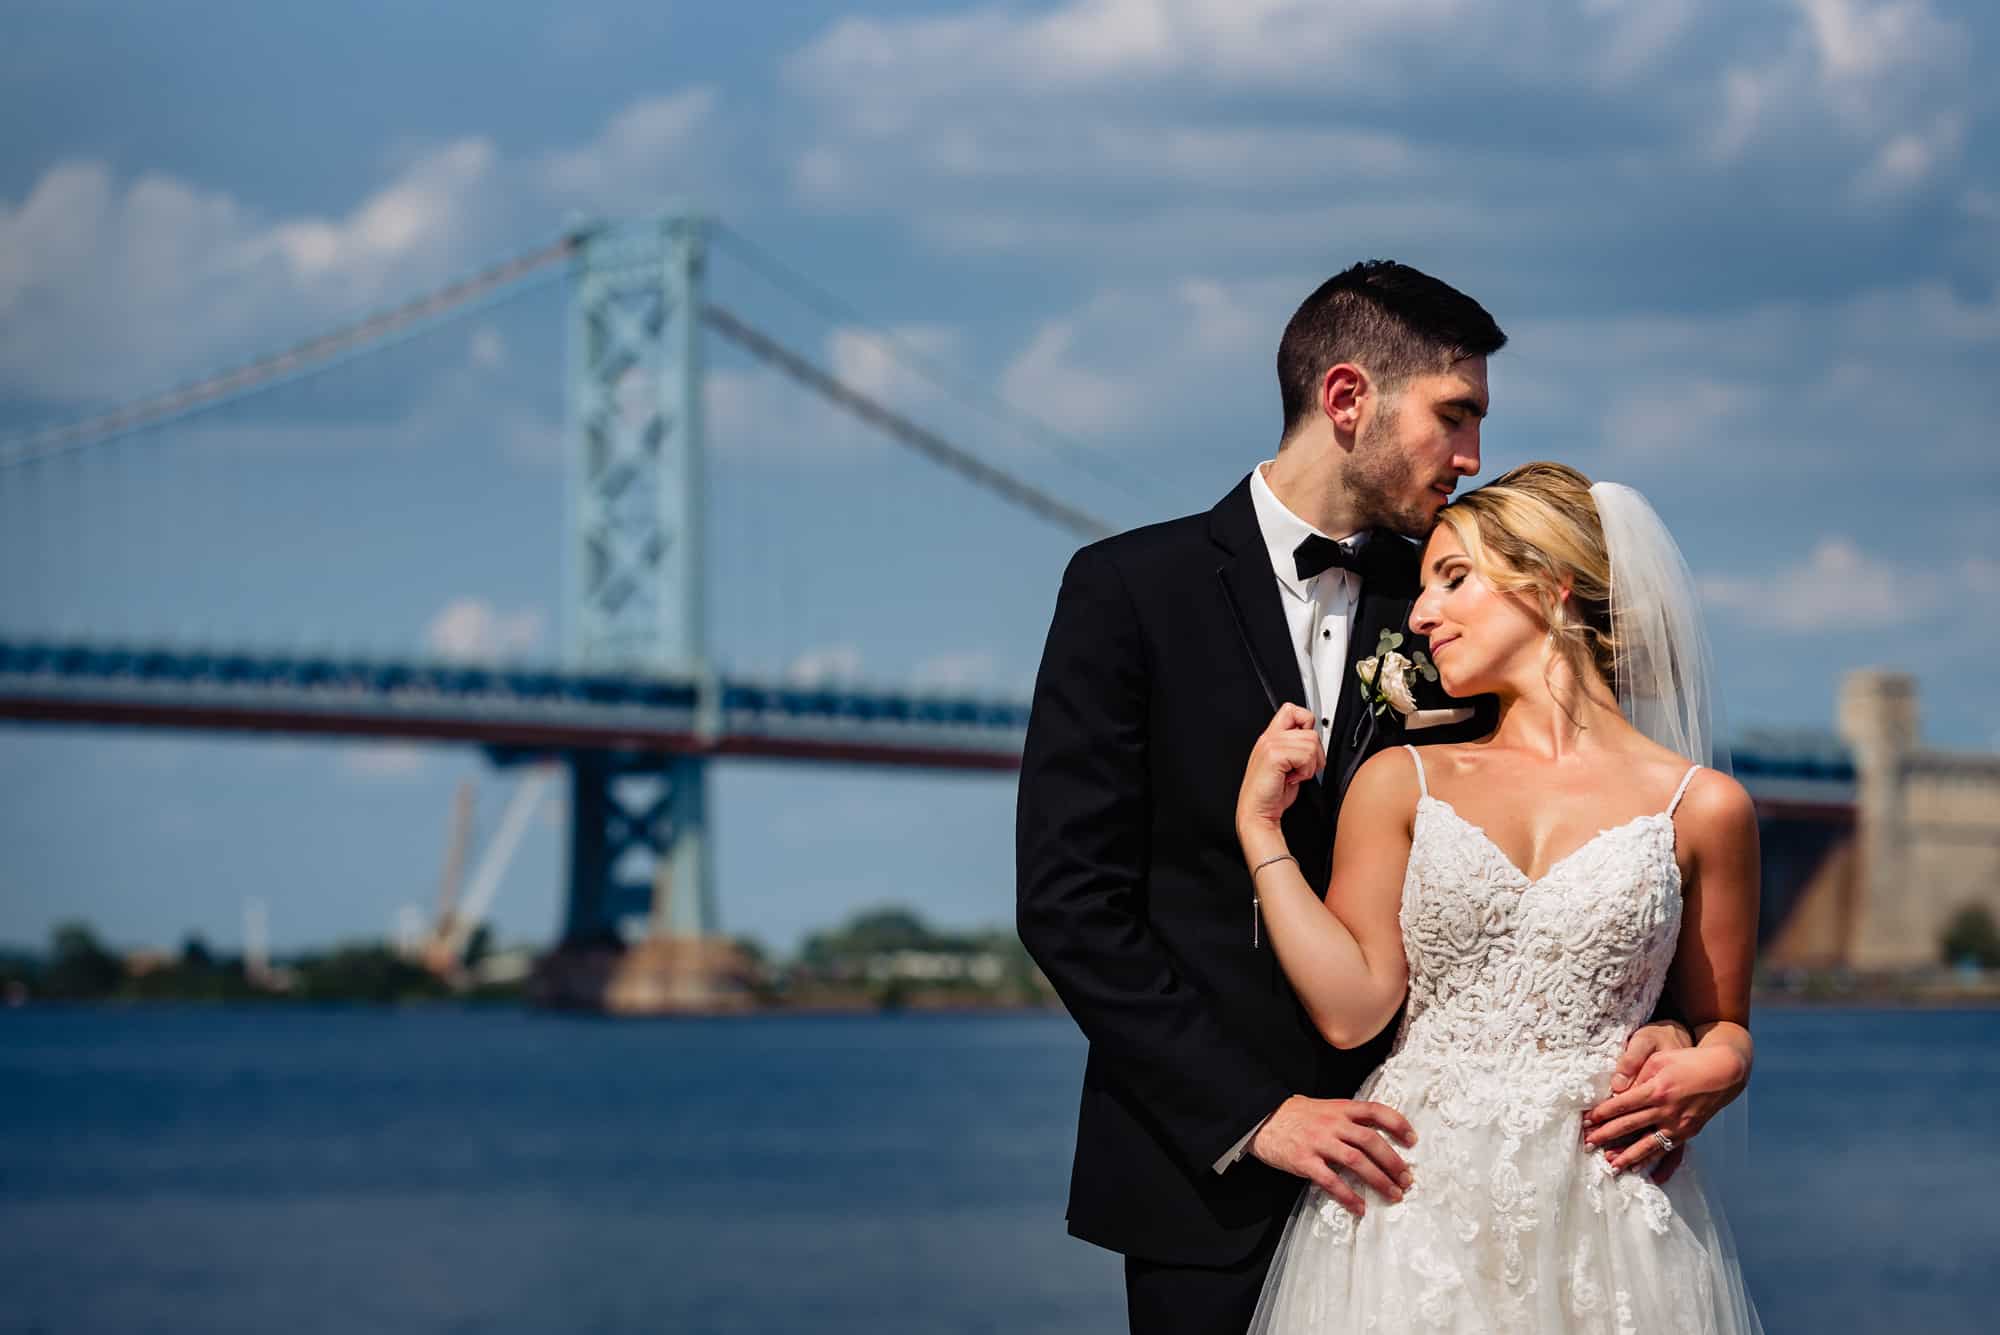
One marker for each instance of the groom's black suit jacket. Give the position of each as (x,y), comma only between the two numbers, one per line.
(1167,656)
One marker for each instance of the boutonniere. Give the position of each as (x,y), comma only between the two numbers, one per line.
(1387,682)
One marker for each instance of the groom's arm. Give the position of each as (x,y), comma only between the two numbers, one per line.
(1081,860)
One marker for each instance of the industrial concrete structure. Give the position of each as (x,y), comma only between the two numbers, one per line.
(1921,841)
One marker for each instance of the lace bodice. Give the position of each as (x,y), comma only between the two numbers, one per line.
(1523,992)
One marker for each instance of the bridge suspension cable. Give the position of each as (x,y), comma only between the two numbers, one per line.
(832,309)
(921,439)
(402,321)
(314,354)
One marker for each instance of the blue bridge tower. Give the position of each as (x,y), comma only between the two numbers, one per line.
(638,843)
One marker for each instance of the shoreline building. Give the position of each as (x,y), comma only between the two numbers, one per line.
(1872,841)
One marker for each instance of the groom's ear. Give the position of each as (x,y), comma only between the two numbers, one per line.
(1341,392)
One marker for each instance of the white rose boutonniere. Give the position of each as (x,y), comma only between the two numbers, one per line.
(1388,682)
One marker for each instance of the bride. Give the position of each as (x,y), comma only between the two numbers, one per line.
(1525,898)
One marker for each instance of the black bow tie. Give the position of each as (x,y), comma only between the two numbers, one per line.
(1317,553)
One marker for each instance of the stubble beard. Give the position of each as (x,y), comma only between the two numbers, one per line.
(1381,481)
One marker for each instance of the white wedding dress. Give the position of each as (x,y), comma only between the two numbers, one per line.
(1522,994)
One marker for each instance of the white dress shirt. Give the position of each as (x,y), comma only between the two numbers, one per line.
(1319,613)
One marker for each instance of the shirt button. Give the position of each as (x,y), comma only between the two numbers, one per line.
(1326,634)
(1324,724)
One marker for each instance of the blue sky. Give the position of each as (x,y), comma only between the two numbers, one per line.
(1747,254)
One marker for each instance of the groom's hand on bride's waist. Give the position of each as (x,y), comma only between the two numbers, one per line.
(1314,1138)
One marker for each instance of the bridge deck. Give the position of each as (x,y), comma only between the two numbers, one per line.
(517,710)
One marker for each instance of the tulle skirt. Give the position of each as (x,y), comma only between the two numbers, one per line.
(1511,1225)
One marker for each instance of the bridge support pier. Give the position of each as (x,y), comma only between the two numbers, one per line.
(638,847)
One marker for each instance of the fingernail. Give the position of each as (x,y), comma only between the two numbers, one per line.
(1404,1179)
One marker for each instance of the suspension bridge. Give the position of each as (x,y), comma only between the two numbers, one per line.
(638,707)
(636,710)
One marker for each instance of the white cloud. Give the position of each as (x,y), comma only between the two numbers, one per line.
(1840,587)
(1131,129)
(1048,377)
(1787,393)
(111,289)
(1910,158)
(1837,587)
(886,365)
(1856,40)
(471,628)
(428,207)
(640,162)
(893,71)
(1885,77)
(115,291)
(756,410)
(1150,358)
(1682,414)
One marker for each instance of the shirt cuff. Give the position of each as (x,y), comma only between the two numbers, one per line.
(1242,1146)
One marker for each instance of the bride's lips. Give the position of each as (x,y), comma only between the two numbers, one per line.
(1437,645)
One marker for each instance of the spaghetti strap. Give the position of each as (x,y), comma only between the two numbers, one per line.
(1686,779)
(1423,788)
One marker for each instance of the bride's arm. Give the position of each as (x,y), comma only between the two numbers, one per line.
(1679,1091)
(1344,956)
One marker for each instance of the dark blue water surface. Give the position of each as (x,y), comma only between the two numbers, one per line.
(172,1169)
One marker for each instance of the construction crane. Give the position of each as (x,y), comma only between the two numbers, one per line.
(448,884)
(457,918)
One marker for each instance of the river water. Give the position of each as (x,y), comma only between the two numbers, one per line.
(488,1169)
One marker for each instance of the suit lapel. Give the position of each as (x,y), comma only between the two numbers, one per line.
(1250,589)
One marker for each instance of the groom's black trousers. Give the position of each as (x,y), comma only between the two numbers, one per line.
(1199,1300)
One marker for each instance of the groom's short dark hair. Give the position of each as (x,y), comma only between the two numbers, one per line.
(1389,319)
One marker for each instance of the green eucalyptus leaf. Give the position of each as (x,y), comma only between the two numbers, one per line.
(1396,639)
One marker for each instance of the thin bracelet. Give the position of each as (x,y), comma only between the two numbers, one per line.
(1282,857)
(1256,905)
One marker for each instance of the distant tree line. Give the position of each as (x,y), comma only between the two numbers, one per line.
(885,956)
(893,955)
(78,967)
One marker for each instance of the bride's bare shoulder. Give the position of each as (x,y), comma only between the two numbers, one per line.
(1716,807)
(1388,775)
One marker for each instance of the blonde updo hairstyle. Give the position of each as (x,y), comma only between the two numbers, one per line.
(1533,532)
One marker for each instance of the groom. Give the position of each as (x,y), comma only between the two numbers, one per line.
(1207,1095)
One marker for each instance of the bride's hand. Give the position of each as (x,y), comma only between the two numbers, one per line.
(1677,1091)
(1286,755)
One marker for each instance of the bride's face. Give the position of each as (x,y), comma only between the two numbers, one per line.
(1480,638)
